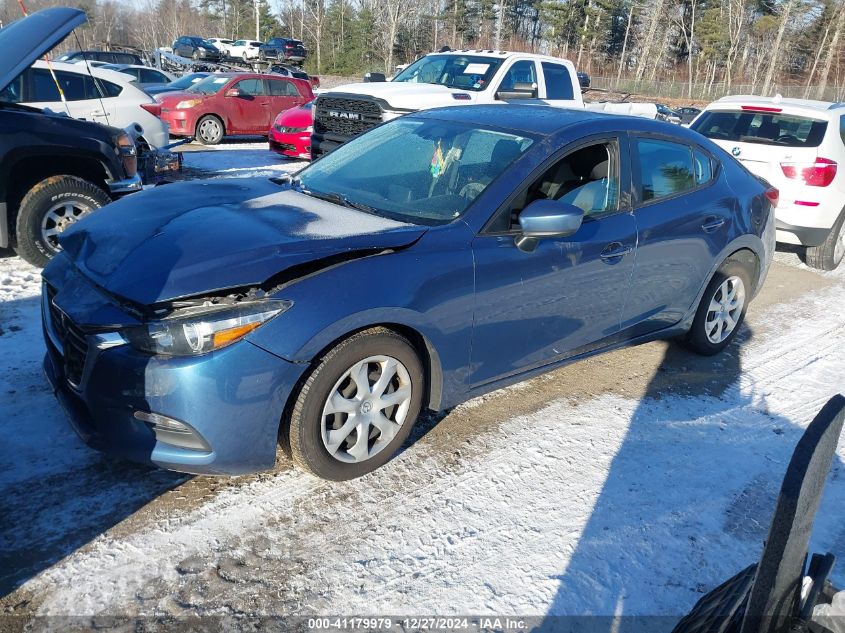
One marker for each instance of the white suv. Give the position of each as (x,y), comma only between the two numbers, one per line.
(91,94)
(797,146)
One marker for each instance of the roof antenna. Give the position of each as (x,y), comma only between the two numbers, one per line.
(49,67)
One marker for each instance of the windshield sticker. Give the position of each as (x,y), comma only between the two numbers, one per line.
(437,161)
(221,80)
(476,69)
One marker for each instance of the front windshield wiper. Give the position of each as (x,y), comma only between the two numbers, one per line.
(336,198)
(295,183)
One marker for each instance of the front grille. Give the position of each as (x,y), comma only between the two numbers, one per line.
(74,342)
(346,117)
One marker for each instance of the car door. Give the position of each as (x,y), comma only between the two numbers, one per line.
(567,294)
(283,95)
(248,112)
(684,221)
(521,74)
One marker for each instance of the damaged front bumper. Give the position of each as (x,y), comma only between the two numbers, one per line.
(218,413)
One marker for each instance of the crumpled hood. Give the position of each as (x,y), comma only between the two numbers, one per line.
(203,236)
(407,95)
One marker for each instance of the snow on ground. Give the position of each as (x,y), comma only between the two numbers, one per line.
(569,494)
(241,159)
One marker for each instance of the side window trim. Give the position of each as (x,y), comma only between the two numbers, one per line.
(636,173)
(618,141)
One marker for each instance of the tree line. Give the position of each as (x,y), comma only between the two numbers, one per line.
(759,46)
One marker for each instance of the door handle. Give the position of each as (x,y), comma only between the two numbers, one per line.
(712,223)
(615,250)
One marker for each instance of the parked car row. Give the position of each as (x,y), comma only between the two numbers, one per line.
(281,49)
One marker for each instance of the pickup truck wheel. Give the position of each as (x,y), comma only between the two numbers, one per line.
(831,252)
(357,406)
(209,130)
(48,209)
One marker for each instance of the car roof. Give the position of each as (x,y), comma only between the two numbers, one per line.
(97,71)
(501,54)
(547,120)
(824,108)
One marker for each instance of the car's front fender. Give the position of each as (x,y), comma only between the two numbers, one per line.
(427,289)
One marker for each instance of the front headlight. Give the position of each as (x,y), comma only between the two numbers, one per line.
(188,103)
(127,153)
(205,331)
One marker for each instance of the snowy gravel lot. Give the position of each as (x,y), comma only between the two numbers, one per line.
(630,483)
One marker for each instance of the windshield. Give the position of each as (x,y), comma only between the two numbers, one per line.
(760,127)
(423,171)
(187,81)
(210,84)
(467,72)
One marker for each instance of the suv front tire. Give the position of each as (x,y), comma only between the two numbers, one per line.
(48,209)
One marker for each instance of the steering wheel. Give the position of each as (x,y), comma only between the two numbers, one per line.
(787,138)
(471,189)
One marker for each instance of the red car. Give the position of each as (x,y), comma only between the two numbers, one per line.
(291,132)
(231,103)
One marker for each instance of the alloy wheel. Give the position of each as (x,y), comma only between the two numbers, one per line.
(58,218)
(725,309)
(366,408)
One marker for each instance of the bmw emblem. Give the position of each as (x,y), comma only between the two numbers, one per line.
(736,151)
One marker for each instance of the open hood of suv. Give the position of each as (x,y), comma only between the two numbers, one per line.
(26,40)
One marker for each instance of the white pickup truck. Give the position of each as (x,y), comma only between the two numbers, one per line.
(453,78)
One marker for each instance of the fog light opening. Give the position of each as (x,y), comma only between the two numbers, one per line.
(173,432)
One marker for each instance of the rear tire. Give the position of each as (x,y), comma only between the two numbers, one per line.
(48,209)
(721,312)
(340,430)
(210,130)
(829,254)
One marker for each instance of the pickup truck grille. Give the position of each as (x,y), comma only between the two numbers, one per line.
(345,117)
(74,341)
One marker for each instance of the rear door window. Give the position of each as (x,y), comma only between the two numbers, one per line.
(75,87)
(282,88)
(558,81)
(783,130)
(666,169)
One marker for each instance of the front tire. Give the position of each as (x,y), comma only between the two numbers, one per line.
(357,406)
(209,130)
(721,311)
(48,209)
(830,253)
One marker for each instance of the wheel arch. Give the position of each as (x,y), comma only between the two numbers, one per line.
(428,355)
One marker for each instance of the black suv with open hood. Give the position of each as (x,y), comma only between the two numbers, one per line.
(53,169)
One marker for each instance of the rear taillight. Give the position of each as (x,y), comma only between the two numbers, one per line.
(773,196)
(818,174)
(152,108)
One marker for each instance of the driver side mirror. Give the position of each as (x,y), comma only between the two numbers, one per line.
(518,91)
(233,92)
(374,78)
(547,218)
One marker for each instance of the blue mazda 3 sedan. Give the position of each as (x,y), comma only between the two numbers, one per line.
(435,258)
